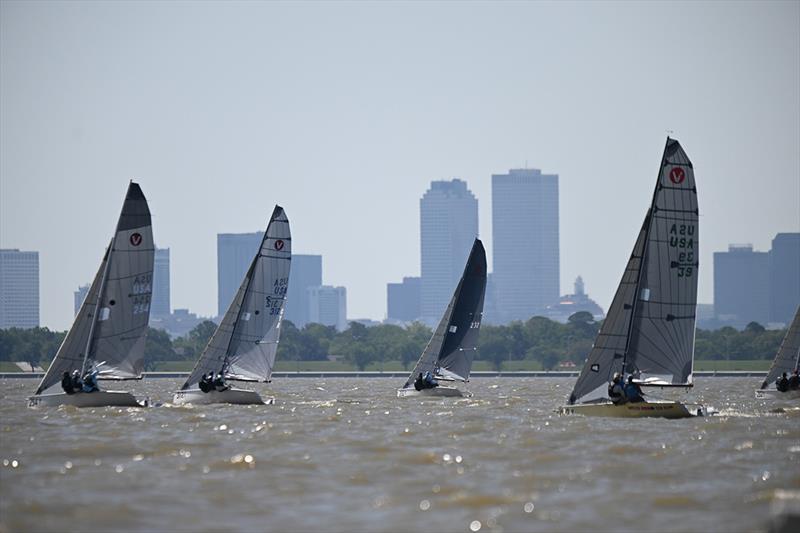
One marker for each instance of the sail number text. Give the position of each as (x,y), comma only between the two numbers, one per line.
(274,302)
(681,236)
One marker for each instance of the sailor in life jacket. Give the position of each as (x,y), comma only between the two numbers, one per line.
(782,383)
(615,392)
(633,393)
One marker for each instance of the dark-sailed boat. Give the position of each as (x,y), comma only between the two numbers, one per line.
(649,330)
(244,345)
(450,351)
(786,360)
(108,334)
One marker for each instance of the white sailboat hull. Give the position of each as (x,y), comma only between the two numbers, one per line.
(85,399)
(230,396)
(440,391)
(773,394)
(649,409)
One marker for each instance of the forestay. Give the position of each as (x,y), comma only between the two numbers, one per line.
(452,347)
(110,327)
(244,345)
(649,331)
(788,357)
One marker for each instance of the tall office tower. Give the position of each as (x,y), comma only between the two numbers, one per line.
(448,227)
(235,252)
(306,272)
(784,276)
(79,296)
(741,286)
(19,289)
(525,243)
(328,306)
(403,300)
(160,306)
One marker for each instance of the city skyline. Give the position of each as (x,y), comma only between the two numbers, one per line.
(474,93)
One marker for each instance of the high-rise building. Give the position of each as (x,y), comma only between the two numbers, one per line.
(448,227)
(79,296)
(306,272)
(235,252)
(19,289)
(784,276)
(403,300)
(741,286)
(525,243)
(161,304)
(328,306)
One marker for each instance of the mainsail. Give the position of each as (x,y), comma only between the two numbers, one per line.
(788,357)
(111,325)
(649,329)
(244,345)
(453,345)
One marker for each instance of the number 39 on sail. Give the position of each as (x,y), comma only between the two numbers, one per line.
(647,338)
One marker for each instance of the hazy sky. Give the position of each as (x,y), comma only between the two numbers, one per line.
(344,112)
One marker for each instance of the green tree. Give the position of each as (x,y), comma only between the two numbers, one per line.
(157,347)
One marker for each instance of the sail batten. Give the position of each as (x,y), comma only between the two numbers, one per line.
(246,341)
(110,327)
(654,307)
(453,344)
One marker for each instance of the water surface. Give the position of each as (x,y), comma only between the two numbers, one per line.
(347,455)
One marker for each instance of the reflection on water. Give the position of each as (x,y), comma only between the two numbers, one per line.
(347,455)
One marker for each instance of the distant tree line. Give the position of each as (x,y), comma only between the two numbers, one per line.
(539,339)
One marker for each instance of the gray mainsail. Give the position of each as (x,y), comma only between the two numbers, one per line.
(245,343)
(452,347)
(111,325)
(649,330)
(788,357)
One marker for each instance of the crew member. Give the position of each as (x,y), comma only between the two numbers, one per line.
(615,389)
(633,393)
(782,383)
(66,383)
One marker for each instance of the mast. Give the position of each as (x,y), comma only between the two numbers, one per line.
(98,306)
(643,261)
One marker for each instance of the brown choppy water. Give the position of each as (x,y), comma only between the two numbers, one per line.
(347,455)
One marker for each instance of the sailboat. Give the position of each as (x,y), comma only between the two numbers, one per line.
(108,333)
(243,347)
(449,353)
(786,360)
(649,330)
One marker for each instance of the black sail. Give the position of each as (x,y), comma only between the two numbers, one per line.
(649,330)
(788,357)
(454,343)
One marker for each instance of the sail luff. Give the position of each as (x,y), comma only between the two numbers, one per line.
(248,280)
(72,350)
(429,356)
(90,338)
(605,357)
(643,262)
(787,358)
